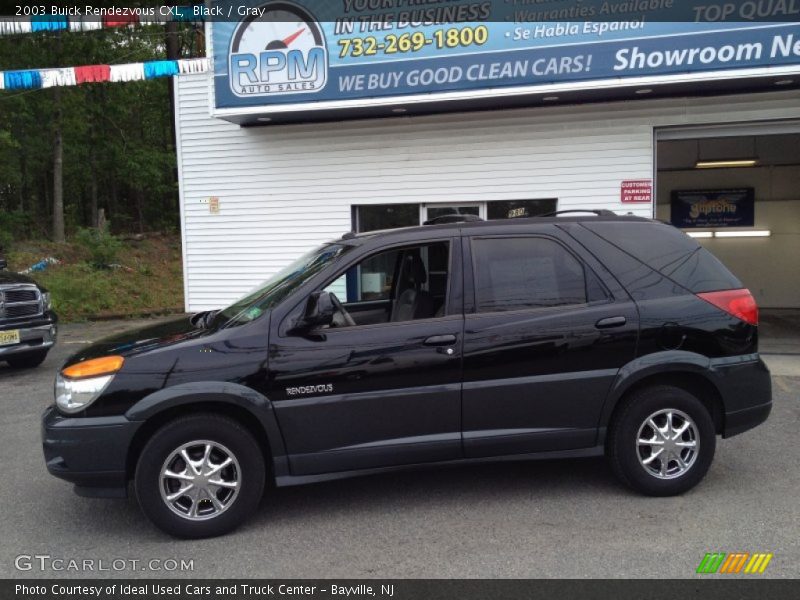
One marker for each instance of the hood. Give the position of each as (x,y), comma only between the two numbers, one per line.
(8,277)
(141,340)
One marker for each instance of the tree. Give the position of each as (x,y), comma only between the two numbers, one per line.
(114,140)
(59,234)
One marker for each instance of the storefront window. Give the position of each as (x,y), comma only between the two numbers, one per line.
(385,216)
(520,209)
(394,216)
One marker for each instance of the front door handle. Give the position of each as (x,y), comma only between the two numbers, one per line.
(440,340)
(611,322)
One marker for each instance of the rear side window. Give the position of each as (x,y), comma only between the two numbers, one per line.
(524,273)
(670,252)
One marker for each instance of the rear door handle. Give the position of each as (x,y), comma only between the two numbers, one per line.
(611,322)
(440,340)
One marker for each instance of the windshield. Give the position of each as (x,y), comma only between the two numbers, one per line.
(279,286)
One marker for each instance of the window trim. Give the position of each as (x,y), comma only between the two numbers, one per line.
(475,308)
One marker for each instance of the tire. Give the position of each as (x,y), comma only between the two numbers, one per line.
(634,462)
(195,434)
(27,361)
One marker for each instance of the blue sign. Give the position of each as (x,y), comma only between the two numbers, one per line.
(298,52)
(713,208)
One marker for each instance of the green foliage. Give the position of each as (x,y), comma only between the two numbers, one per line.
(6,241)
(12,225)
(79,290)
(102,246)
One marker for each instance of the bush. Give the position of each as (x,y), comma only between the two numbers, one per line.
(79,291)
(6,241)
(13,225)
(102,246)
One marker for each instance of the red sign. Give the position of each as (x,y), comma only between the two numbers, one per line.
(636,191)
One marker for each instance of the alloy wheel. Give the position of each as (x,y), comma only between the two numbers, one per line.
(667,444)
(200,480)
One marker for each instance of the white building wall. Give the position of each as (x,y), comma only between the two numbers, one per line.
(284,188)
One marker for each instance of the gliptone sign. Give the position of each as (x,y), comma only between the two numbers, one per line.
(713,208)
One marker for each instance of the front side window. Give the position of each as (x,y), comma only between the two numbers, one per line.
(402,284)
(525,273)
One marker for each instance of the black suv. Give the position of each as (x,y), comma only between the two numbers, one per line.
(28,325)
(449,343)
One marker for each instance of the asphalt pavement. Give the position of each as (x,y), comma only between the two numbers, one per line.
(534,519)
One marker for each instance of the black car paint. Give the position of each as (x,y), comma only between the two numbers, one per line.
(396,401)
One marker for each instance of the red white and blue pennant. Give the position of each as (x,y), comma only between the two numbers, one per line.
(70,76)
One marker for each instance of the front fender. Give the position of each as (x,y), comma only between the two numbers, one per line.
(206,392)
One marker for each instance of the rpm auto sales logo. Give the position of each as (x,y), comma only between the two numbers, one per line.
(278,49)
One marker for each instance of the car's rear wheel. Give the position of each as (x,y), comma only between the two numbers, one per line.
(27,361)
(200,476)
(662,441)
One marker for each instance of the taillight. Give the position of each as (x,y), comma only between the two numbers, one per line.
(738,303)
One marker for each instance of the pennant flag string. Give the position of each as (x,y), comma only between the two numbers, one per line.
(70,76)
(157,15)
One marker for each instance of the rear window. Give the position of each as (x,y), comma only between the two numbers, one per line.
(670,252)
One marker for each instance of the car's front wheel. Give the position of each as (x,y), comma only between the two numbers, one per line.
(662,441)
(200,476)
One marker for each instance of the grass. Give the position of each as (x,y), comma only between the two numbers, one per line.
(151,281)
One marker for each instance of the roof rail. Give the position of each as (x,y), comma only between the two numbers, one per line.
(448,219)
(600,212)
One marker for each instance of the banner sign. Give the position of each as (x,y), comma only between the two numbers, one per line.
(713,208)
(353,52)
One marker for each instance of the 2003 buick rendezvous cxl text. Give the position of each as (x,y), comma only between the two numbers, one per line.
(458,341)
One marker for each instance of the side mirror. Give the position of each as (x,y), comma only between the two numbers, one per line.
(3,263)
(319,312)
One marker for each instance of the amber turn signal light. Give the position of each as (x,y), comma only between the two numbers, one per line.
(94,367)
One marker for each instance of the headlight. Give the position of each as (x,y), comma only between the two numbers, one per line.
(81,384)
(73,395)
(46,301)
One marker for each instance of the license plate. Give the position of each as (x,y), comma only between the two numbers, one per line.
(7,338)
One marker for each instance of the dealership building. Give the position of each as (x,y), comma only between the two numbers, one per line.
(307,128)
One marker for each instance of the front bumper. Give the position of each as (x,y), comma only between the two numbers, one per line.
(92,453)
(36,336)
